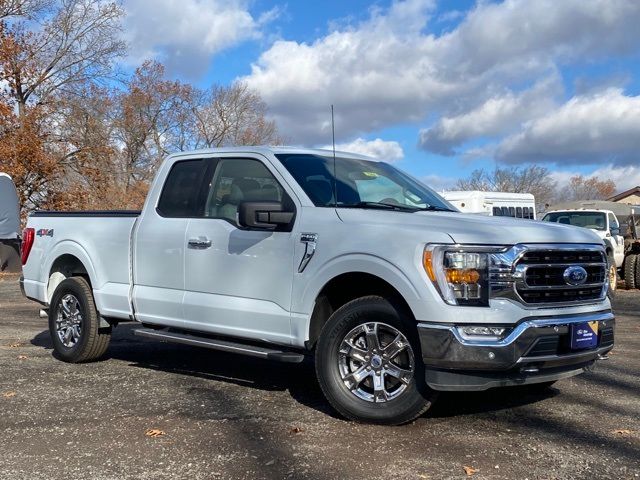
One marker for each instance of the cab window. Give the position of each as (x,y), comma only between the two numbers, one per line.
(241,180)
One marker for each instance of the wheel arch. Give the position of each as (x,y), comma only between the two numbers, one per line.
(608,248)
(348,286)
(65,260)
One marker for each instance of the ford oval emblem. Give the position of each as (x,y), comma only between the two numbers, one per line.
(575,275)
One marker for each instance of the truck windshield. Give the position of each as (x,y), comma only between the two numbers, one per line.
(592,220)
(360,184)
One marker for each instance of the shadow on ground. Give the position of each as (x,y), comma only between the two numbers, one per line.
(298,379)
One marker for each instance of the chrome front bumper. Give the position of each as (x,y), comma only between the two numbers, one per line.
(535,350)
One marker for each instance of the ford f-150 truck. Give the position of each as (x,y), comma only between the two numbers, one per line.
(287,253)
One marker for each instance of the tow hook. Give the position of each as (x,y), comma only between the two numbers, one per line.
(530,370)
(603,356)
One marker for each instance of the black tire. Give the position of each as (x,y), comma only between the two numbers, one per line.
(630,271)
(93,341)
(637,279)
(413,396)
(613,277)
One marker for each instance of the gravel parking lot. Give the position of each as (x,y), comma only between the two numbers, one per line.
(226,416)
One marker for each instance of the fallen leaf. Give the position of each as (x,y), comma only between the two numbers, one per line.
(15,345)
(295,430)
(154,432)
(622,431)
(270,462)
(9,394)
(22,357)
(470,471)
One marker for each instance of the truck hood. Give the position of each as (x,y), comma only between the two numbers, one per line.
(473,228)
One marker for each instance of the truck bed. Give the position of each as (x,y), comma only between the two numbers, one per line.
(99,239)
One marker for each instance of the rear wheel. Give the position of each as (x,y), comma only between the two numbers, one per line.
(630,264)
(637,282)
(74,323)
(369,364)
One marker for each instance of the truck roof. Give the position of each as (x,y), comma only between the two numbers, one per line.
(618,209)
(276,151)
(460,194)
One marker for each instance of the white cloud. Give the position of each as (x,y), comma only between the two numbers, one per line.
(389,69)
(185,34)
(388,150)
(439,183)
(624,177)
(498,115)
(597,128)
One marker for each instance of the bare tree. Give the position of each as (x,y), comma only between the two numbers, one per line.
(77,44)
(73,139)
(151,118)
(533,179)
(587,188)
(23,8)
(233,115)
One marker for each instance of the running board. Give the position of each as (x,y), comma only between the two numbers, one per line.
(222,345)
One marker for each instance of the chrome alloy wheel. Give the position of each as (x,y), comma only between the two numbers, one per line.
(69,320)
(376,362)
(613,277)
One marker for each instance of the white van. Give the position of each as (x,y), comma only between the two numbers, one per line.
(497,204)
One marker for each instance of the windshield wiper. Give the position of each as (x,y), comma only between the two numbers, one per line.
(379,205)
(434,208)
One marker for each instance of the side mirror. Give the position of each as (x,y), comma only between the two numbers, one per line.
(264,215)
(614,231)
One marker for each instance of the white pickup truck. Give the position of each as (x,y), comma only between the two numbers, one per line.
(616,225)
(285,253)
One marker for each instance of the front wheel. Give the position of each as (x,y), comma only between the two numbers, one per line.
(613,278)
(369,365)
(74,323)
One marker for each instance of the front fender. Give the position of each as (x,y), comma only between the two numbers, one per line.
(355,263)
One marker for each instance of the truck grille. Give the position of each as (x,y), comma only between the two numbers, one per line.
(535,274)
(542,276)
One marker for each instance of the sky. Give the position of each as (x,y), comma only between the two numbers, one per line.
(439,88)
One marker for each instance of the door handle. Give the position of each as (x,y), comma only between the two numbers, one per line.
(200,242)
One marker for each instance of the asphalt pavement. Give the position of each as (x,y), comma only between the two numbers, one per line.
(153,410)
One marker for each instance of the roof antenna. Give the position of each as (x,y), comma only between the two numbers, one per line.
(333,142)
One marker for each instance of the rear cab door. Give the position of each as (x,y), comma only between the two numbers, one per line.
(159,244)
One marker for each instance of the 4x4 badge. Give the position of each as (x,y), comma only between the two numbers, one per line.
(310,241)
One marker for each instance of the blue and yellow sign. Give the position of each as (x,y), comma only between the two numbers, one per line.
(584,335)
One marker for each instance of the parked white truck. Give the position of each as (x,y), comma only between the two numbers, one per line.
(616,224)
(284,253)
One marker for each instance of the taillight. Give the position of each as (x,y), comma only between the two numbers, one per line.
(28,236)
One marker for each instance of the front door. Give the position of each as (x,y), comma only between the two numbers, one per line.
(617,240)
(238,281)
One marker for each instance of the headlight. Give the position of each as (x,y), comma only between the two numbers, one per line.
(461,274)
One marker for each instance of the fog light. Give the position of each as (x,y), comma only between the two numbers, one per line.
(482,331)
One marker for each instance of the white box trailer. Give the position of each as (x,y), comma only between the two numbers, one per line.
(497,204)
